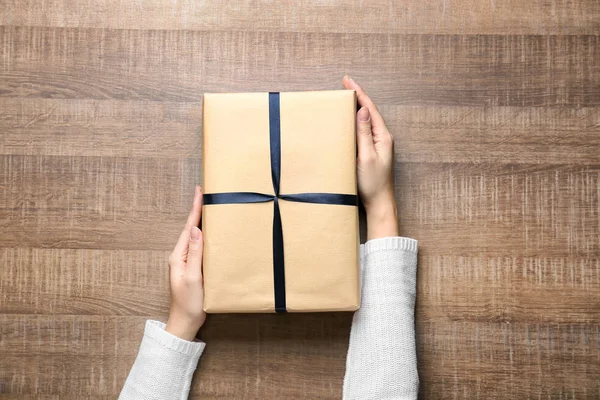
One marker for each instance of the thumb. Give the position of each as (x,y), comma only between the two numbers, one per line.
(194,259)
(364,135)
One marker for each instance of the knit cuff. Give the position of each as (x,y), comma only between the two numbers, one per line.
(389,243)
(155,330)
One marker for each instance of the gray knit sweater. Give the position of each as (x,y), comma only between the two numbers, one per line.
(381,362)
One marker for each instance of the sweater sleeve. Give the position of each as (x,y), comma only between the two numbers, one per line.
(164,366)
(382,360)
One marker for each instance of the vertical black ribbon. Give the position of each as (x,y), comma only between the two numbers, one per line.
(278,257)
(252,197)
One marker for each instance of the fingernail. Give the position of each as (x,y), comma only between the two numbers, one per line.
(195,234)
(363,114)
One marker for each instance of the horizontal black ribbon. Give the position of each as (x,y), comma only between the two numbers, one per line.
(252,197)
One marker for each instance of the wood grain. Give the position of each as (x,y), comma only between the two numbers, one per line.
(530,70)
(107,128)
(499,135)
(98,351)
(508,290)
(529,210)
(495,109)
(502,360)
(84,282)
(128,128)
(563,17)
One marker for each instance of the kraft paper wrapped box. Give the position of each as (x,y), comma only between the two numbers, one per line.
(280,216)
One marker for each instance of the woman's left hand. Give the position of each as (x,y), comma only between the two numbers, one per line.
(185,274)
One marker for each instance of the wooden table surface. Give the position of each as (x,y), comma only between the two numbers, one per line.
(495,108)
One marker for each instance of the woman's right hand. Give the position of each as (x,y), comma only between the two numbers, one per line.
(375,166)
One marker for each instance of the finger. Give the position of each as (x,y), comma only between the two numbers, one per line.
(365,101)
(346,82)
(194,257)
(364,136)
(196,211)
(193,220)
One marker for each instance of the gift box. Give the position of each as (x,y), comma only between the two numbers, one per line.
(280,216)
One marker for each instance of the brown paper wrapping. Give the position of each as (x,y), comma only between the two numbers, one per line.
(318,153)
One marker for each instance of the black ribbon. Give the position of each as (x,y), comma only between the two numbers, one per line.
(252,197)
